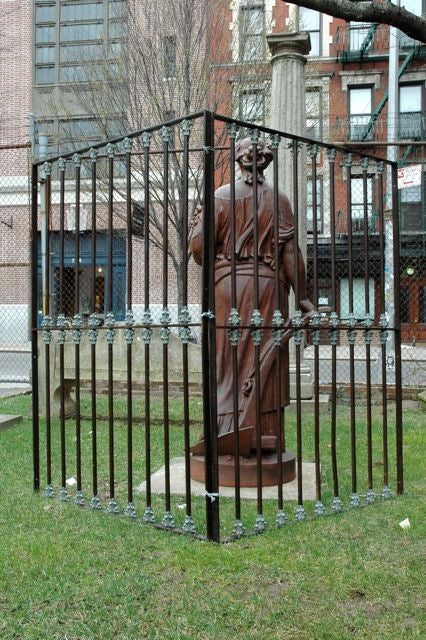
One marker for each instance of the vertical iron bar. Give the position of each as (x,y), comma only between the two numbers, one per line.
(383,323)
(61,167)
(77,319)
(367,333)
(147,316)
(48,418)
(332,158)
(234,344)
(129,331)
(278,368)
(185,171)
(93,157)
(46,312)
(48,197)
(397,334)
(314,152)
(295,150)
(34,334)
(166,430)
(256,303)
(46,319)
(128,146)
(209,337)
(61,324)
(77,161)
(110,309)
(348,163)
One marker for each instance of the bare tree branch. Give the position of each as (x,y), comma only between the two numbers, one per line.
(381,12)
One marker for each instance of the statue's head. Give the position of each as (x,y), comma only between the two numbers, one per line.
(244,157)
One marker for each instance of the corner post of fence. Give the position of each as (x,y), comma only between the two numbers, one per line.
(209,336)
(397,333)
(34,335)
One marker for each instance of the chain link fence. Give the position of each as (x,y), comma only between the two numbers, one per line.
(363,193)
(355,201)
(412,201)
(15,165)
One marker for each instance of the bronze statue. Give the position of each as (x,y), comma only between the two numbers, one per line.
(289,261)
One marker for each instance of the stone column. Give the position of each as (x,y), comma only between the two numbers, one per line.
(288,114)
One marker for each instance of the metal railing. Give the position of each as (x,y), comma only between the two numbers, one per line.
(151,351)
(411,126)
(355,41)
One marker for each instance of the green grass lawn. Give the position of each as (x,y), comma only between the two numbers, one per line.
(67,573)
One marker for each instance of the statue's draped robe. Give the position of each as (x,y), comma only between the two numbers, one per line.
(245,251)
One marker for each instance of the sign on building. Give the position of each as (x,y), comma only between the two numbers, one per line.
(410,176)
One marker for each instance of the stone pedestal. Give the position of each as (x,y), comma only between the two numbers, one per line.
(288,114)
(248,470)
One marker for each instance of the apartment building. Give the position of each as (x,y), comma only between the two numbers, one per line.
(347,99)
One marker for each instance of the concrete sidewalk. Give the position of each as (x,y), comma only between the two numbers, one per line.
(11,389)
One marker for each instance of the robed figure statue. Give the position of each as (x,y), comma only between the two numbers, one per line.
(290,261)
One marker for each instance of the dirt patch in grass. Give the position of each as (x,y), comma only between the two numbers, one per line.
(357,601)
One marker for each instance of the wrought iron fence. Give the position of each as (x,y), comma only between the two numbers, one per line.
(122,315)
(14,263)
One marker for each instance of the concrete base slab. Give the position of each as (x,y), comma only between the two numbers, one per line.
(7,421)
(308,406)
(177,484)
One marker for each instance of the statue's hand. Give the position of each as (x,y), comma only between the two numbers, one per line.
(307,309)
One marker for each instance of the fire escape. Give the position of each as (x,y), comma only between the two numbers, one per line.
(356,45)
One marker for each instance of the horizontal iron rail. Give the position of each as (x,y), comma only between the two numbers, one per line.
(134,134)
(302,139)
(220,118)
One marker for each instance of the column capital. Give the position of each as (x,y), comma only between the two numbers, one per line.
(282,45)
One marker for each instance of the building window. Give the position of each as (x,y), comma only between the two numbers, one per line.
(252,28)
(77,53)
(81,31)
(252,106)
(358,298)
(310,206)
(96,24)
(313,99)
(83,129)
(45,55)
(138,219)
(360,100)
(45,75)
(45,13)
(45,44)
(411,207)
(45,34)
(357,203)
(310,20)
(83,11)
(411,112)
(169,44)
(358,33)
